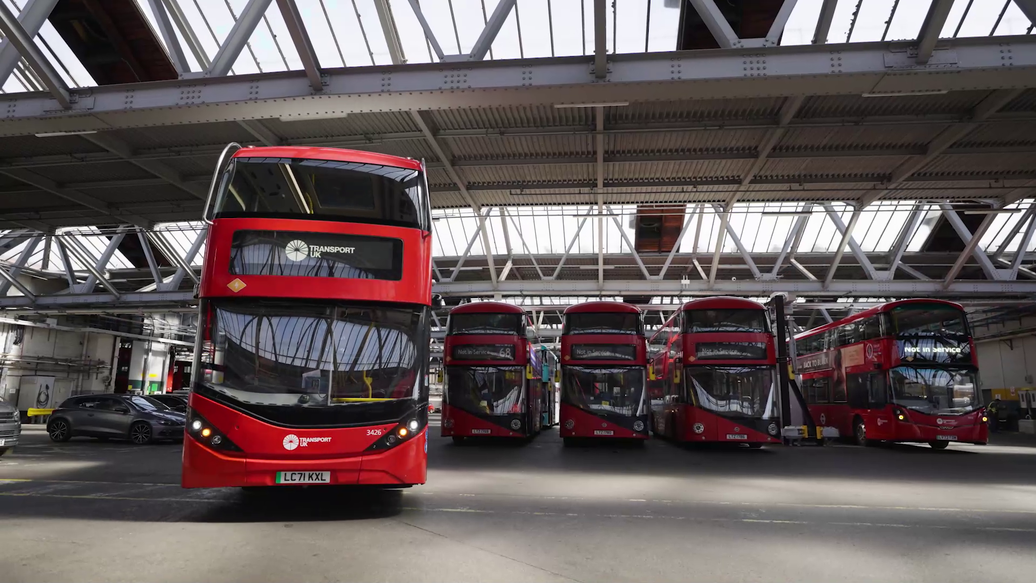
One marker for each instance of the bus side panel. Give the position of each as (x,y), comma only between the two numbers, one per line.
(404,464)
(586,424)
(838,416)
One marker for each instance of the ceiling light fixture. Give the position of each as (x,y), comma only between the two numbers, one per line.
(58,134)
(582,105)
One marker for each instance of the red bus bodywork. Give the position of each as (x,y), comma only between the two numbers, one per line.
(478,363)
(603,375)
(686,410)
(847,377)
(258,443)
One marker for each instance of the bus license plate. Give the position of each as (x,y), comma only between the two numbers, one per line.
(946,437)
(481,431)
(603,432)
(303,477)
(736,436)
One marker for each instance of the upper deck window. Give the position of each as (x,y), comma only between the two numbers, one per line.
(603,323)
(485,323)
(323,189)
(737,320)
(929,320)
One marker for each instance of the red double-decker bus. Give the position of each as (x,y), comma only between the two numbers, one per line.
(603,370)
(905,371)
(716,361)
(494,382)
(310,365)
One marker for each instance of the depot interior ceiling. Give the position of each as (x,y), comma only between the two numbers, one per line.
(840,149)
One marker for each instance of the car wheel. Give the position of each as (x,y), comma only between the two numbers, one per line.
(140,433)
(860,433)
(59,430)
(939,444)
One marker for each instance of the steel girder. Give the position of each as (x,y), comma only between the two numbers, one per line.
(857,68)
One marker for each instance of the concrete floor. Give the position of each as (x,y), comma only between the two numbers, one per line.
(92,511)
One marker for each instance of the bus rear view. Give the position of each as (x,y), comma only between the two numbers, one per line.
(603,367)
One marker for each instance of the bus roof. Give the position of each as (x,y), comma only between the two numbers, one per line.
(487,308)
(722,303)
(598,307)
(332,154)
(875,310)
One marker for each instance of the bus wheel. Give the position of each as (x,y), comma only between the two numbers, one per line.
(755,446)
(458,439)
(569,441)
(860,432)
(939,444)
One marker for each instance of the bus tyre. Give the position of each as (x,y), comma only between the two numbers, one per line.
(458,439)
(939,444)
(755,446)
(860,433)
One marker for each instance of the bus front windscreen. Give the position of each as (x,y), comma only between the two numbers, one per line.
(618,391)
(335,190)
(602,323)
(270,356)
(929,320)
(734,391)
(486,390)
(936,391)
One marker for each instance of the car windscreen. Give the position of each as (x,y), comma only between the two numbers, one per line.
(147,403)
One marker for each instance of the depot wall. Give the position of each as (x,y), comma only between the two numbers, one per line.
(1011,362)
(43,366)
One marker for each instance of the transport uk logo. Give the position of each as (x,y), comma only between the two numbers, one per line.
(292,441)
(297,250)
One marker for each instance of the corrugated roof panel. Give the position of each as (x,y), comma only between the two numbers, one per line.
(1025,102)
(827,106)
(741,141)
(511,117)
(20,146)
(849,137)
(96,172)
(417,149)
(806,167)
(980,164)
(690,110)
(561,173)
(1006,133)
(354,124)
(507,147)
(708,169)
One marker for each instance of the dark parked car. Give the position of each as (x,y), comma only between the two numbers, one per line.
(175,402)
(136,418)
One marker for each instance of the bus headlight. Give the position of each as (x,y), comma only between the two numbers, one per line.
(638,425)
(571,423)
(413,425)
(204,432)
(985,419)
(405,431)
(516,424)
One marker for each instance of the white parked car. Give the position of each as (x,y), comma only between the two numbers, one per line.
(10,427)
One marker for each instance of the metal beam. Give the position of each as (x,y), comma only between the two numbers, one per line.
(913,272)
(931,29)
(971,241)
(48,185)
(1028,8)
(866,68)
(1016,263)
(676,245)
(120,148)
(172,44)
(428,33)
(773,37)
(847,235)
(716,23)
(827,317)
(568,249)
(19,265)
(493,25)
(794,235)
(600,39)
(861,288)
(145,245)
(261,132)
(857,251)
(388,28)
(96,270)
(633,250)
(185,28)
(239,34)
(32,17)
(471,243)
(184,269)
(304,47)
(745,254)
(521,238)
(909,228)
(22,41)
(599,149)
(66,263)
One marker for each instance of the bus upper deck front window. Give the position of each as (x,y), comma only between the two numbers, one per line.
(301,188)
(929,320)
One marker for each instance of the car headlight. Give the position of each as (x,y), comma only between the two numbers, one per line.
(166,422)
